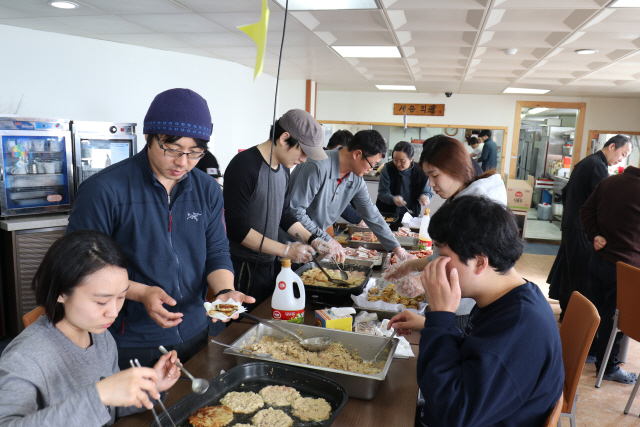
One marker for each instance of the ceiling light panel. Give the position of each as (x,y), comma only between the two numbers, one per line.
(625,3)
(328,4)
(367,51)
(63,4)
(525,90)
(395,87)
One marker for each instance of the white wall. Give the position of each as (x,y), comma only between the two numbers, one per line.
(77,78)
(474,111)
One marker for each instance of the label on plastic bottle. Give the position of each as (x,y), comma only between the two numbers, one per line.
(424,244)
(292,316)
(282,285)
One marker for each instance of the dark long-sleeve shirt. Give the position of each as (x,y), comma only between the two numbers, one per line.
(587,173)
(506,370)
(245,202)
(489,157)
(613,212)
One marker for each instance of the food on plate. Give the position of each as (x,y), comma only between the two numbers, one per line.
(389,219)
(279,395)
(310,409)
(405,232)
(335,356)
(242,425)
(315,277)
(226,309)
(418,254)
(362,253)
(242,402)
(271,418)
(364,236)
(211,416)
(389,294)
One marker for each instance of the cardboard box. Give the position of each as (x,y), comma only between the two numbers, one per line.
(327,320)
(519,194)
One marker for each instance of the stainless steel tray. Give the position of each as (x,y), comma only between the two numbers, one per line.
(360,386)
(406,242)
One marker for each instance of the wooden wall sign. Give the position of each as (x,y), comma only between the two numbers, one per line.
(418,109)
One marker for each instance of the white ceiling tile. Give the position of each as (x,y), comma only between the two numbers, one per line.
(41,8)
(441,38)
(7,13)
(552,4)
(104,24)
(205,6)
(232,20)
(363,38)
(176,23)
(519,19)
(437,20)
(434,4)
(353,20)
(124,7)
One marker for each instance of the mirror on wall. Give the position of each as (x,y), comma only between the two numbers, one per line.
(599,139)
(393,134)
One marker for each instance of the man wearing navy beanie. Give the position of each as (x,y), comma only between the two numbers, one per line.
(168,218)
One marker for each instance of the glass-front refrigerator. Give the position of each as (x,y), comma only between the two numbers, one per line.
(97,145)
(35,166)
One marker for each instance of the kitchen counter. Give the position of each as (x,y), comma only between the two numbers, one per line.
(31,222)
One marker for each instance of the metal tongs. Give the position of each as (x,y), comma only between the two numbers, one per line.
(153,411)
(337,282)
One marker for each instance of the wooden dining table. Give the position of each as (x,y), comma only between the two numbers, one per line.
(393,405)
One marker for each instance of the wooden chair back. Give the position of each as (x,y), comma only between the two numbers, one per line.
(628,300)
(32,316)
(578,328)
(554,416)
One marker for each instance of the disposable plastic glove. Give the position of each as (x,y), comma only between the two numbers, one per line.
(397,271)
(410,285)
(337,251)
(399,201)
(298,253)
(403,255)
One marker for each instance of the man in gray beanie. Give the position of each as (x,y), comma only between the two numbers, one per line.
(168,219)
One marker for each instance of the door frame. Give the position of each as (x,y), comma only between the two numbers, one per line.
(577,142)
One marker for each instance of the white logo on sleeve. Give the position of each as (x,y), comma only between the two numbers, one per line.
(194,215)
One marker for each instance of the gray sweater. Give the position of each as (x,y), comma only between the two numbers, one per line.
(47,380)
(317,200)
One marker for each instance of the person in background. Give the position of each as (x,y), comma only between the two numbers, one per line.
(168,219)
(477,147)
(320,190)
(610,218)
(403,184)
(570,270)
(489,156)
(209,165)
(506,367)
(340,139)
(251,202)
(448,165)
(63,368)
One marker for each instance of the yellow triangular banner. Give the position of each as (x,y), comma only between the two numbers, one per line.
(258,32)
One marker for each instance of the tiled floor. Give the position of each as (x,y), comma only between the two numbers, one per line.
(602,407)
(541,230)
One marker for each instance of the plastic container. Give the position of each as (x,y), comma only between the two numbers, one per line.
(544,211)
(288,298)
(424,241)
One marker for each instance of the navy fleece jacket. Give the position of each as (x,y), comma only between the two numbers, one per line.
(174,246)
(505,371)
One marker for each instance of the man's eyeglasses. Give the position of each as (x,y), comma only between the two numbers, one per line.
(177,153)
(370,165)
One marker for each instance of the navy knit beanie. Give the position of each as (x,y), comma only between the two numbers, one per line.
(180,112)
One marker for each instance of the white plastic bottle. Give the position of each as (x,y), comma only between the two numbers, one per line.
(424,241)
(285,305)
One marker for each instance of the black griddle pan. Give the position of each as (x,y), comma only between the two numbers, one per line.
(253,377)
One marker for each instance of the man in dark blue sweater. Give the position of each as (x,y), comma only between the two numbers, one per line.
(506,368)
(489,157)
(168,219)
